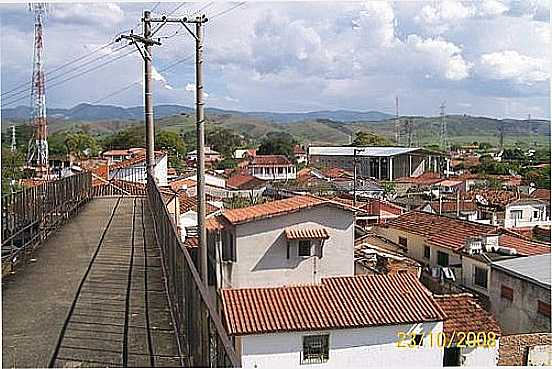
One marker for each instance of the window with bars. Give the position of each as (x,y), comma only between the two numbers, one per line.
(506,293)
(403,241)
(304,248)
(316,349)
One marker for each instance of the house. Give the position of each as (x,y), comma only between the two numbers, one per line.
(382,163)
(187,219)
(460,249)
(115,156)
(211,156)
(271,168)
(520,294)
(245,153)
(354,321)
(371,210)
(467,210)
(464,314)
(296,240)
(525,213)
(246,186)
(134,169)
(300,154)
(425,181)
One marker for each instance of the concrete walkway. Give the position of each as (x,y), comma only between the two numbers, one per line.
(94,297)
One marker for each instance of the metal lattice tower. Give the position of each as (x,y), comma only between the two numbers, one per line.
(443,133)
(38,147)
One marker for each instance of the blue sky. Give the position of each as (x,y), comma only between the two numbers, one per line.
(489,58)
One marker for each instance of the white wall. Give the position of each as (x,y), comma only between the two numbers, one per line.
(527,217)
(468,270)
(160,171)
(273,172)
(480,357)
(261,250)
(349,348)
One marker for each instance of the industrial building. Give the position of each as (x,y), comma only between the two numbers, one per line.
(384,163)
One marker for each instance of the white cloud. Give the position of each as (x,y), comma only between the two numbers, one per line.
(104,14)
(191,87)
(444,56)
(510,65)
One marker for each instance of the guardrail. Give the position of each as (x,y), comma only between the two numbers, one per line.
(202,339)
(31,215)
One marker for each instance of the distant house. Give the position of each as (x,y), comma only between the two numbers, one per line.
(300,154)
(467,210)
(526,213)
(296,240)
(520,294)
(211,156)
(354,321)
(134,169)
(245,153)
(271,168)
(115,156)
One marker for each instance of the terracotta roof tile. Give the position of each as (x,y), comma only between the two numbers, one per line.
(427,178)
(450,206)
(306,233)
(270,160)
(189,203)
(191,242)
(244,182)
(272,208)
(523,246)
(215,223)
(541,193)
(465,315)
(336,303)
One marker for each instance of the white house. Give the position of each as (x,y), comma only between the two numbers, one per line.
(271,168)
(284,242)
(526,213)
(134,169)
(360,321)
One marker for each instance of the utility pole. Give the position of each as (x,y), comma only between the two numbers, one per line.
(397,123)
(147,42)
(355,152)
(444,142)
(409,128)
(13,142)
(501,140)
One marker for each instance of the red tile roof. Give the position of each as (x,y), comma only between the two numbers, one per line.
(336,303)
(178,184)
(264,160)
(427,178)
(272,208)
(298,150)
(306,233)
(465,315)
(191,242)
(450,206)
(452,233)
(189,203)
(244,182)
(215,223)
(541,193)
(496,198)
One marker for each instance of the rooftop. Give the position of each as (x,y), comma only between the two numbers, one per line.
(336,303)
(366,151)
(244,182)
(535,268)
(270,160)
(465,315)
(451,206)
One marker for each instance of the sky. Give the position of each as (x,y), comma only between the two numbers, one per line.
(486,58)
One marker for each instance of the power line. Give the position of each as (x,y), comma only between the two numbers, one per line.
(227,10)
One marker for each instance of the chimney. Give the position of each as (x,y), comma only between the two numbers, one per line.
(473,245)
(490,242)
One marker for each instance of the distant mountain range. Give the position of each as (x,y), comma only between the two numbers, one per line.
(91,113)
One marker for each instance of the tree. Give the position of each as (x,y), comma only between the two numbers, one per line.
(223,140)
(278,143)
(11,164)
(126,138)
(485,146)
(226,163)
(363,138)
(81,145)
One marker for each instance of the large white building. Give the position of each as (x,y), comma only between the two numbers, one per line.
(362,321)
(283,242)
(526,213)
(271,168)
(384,163)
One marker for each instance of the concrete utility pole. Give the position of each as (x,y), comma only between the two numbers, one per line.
(147,42)
(355,152)
(13,142)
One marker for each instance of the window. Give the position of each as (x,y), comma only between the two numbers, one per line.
(316,349)
(228,250)
(506,293)
(543,308)
(480,277)
(516,214)
(305,248)
(427,252)
(451,356)
(442,259)
(288,249)
(536,214)
(403,241)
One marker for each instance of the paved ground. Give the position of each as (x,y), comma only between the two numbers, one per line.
(94,297)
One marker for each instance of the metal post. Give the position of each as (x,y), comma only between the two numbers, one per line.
(148,99)
(354,175)
(200,151)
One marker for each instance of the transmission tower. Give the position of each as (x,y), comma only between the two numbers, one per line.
(38,147)
(443,135)
(13,142)
(397,122)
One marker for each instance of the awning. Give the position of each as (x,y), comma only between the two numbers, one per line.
(307,233)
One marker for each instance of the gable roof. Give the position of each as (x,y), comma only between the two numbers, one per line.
(336,303)
(275,208)
(465,315)
(244,182)
(270,160)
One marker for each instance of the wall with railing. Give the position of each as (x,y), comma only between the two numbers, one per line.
(31,215)
(202,338)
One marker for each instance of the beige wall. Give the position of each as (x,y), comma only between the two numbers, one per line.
(261,250)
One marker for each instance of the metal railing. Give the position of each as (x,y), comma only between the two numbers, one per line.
(202,339)
(31,215)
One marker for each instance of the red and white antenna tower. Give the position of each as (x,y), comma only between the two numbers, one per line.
(38,147)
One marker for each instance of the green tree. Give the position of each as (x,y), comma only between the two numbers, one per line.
(11,168)
(81,145)
(223,140)
(278,143)
(363,138)
(173,144)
